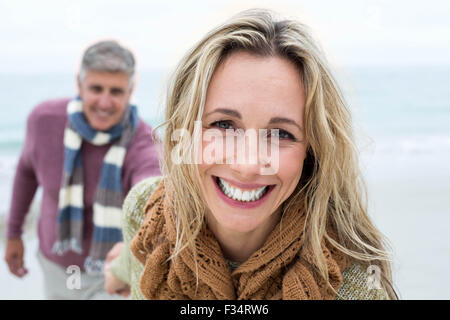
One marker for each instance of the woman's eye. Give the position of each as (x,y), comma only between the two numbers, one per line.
(222,124)
(281,134)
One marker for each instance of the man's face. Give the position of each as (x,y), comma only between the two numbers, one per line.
(105,97)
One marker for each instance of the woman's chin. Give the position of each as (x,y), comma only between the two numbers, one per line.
(237,223)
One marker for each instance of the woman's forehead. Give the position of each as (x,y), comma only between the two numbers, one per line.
(250,84)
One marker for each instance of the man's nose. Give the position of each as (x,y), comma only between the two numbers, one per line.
(104,100)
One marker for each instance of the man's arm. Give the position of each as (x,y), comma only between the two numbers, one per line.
(24,188)
(141,160)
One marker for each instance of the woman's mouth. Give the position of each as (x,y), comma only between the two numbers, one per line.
(242,197)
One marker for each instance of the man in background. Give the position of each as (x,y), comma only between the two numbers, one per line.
(85,153)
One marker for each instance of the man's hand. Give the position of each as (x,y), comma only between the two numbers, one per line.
(112,284)
(14,257)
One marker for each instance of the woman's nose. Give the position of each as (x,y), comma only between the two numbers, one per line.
(255,155)
(246,160)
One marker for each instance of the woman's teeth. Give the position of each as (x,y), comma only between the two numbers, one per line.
(241,195)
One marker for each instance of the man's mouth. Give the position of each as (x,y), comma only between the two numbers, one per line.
(102,113)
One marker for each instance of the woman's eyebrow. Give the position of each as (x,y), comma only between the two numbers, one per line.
(285,120)
(229,112)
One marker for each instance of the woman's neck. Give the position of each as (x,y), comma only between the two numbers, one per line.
(239,246)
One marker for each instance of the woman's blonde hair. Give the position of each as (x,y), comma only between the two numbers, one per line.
(330,190)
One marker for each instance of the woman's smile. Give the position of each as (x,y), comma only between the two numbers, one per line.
(242,195)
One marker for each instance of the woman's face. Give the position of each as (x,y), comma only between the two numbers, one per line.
(251,92)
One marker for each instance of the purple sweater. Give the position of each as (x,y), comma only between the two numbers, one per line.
(41,164)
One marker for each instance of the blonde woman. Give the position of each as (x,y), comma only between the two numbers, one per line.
(291,225)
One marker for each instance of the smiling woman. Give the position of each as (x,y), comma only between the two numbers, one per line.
(228,230)
(273,88)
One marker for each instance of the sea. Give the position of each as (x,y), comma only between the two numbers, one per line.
(401,116)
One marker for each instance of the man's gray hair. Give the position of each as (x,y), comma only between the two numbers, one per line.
(107,56)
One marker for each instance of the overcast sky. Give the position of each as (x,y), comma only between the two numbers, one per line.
(50,35)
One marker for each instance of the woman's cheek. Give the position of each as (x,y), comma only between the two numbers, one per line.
(290,170)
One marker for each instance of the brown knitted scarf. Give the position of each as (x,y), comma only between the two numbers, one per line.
(278,270)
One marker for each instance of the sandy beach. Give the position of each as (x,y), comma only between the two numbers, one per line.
(409,204)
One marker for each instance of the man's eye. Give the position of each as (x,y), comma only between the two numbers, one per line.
(222,124)
(96,89)
(116,92)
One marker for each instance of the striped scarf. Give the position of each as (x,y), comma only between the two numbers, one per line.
(109,195)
